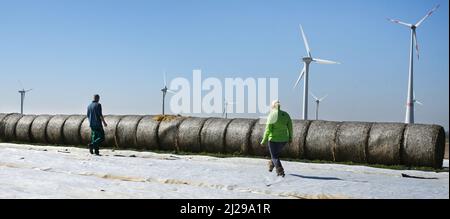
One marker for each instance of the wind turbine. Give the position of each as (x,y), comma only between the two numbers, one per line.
(410,99)
(305,72)
(225,108)
(318,100)
(164,92)
(22,96)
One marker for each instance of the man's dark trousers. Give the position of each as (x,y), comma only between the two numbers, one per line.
(97,137)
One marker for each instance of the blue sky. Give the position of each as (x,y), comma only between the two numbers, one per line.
(68,50)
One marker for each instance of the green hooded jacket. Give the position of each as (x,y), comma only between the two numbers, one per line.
(278,127)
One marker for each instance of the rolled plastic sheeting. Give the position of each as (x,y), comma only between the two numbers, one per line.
(321,140)
(39,127)
(167,134)
(423,145)
(189,134)
(55,129)
(71,130)
(9,126)
(237,138)
(385,141)
(352,142)
(296,149)
(147,133)
(23,128)
(126,131)
(213,135)
(255,139)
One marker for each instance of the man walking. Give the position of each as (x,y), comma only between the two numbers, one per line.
(96,122)
(278,133)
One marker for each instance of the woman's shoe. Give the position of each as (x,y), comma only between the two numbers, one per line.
(271,166)
(280,171)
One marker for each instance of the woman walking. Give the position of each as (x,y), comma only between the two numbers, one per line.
(278,133)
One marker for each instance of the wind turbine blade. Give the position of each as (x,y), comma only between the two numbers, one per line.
(314,96)
(171,91)
(418,102)
(326,62)
(165,79)
(29,90)
(323,98)
(305,40)
(21,85)
(300,77)
(416,43)
(400,22)
(428,15)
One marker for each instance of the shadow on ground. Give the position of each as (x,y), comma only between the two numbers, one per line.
(315,177)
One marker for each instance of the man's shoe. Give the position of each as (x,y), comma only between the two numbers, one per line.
(91,148)
(97,152)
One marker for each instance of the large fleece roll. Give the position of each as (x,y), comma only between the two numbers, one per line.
(9,126)
(385,141)
(167,133)
(352,142)
(85,132)
(126,131)
(256,137)
(359,142)
(71,130)
(189,134)
(38,129)
(2,116)
(55,129)
(23,128)
(423,145)
(213,135)
(2,125)
(147,133)
(237,138)
(296,149)
(321,140)
(111,131)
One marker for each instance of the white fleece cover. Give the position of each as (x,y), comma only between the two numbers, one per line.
(28,171)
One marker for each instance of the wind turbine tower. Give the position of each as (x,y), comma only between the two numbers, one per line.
(318,100)
(164,91)
(225,108)
(22,96)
